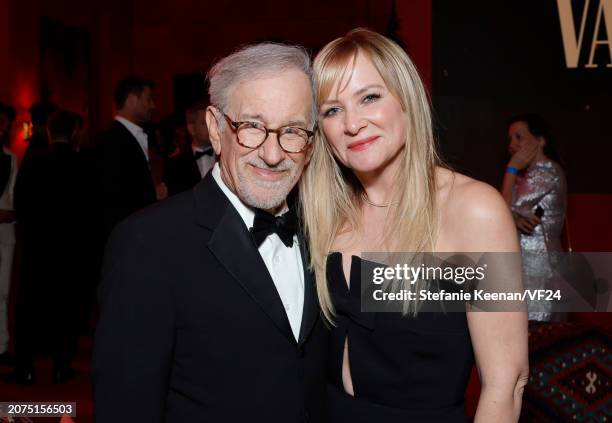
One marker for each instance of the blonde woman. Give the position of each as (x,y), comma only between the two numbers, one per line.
(375,184)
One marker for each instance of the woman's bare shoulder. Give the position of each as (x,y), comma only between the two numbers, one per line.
(465,196)
(472,212)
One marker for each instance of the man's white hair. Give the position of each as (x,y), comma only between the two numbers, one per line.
(255,61)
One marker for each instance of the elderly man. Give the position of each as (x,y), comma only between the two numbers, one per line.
(208,311)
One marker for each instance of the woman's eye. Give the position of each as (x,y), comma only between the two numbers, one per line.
(331,111)
(370,98)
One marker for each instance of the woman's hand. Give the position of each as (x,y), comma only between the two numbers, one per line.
(523,158)
(526,224)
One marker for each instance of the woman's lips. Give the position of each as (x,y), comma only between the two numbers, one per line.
(362,144)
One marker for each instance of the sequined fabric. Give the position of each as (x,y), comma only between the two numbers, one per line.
(542,185)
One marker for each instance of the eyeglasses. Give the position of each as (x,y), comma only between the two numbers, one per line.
(253,134)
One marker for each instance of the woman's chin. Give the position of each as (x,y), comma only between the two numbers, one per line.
(367,168)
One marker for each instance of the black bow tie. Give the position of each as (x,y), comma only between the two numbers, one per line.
(265,224)
(199,153)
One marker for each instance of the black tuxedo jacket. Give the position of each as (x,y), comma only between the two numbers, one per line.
(124,178)
(192,328)
(181,172)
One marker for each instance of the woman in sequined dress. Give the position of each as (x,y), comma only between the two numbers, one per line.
(534,187)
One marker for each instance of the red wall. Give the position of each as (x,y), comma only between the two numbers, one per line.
(109,25)
(160,38)
(590,222)
(186,36)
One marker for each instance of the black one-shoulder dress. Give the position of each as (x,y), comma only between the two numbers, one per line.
(403,368)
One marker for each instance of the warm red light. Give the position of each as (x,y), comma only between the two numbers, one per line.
(24,92)
(26,130)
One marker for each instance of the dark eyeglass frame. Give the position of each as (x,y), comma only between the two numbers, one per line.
(236,126)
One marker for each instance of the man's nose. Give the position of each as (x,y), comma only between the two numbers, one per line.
(270,151)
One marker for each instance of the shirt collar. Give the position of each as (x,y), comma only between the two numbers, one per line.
(196,149)
(136,130)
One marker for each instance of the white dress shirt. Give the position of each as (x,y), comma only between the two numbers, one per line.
(138,133)
(206,162)
(7,230)
(284,263)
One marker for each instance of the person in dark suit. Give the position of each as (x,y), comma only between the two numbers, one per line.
(208,310)
(187,166)
(52,213)
(122,155)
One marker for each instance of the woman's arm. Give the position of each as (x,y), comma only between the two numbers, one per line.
(499,339)
(507,185)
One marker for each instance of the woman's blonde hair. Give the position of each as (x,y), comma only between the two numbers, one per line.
(331,197)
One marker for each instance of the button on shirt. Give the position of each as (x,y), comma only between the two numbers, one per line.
(138,133)
(284,264)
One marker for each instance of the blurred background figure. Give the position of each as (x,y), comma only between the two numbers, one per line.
(51,204)
(38,142)
(8,174)
(175,138)
(534,187)
(122,154)
(190,163)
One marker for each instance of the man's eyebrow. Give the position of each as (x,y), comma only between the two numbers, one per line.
(260,118)
(249,116)
(295,123)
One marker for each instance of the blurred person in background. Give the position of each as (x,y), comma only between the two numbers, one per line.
(8,174)
(187,166)
(122,154)
(38,141)
(534,188)
(52,210)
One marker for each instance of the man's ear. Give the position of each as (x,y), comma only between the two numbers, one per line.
(213,129)
(130,102)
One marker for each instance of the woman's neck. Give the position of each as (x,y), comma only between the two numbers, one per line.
(540,157)
(380,185)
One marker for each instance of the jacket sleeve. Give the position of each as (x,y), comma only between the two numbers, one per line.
(111,179)
(134,338)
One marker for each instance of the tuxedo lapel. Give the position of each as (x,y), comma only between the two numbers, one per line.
(311,309)
(132,147)
(233,246)
(194,169)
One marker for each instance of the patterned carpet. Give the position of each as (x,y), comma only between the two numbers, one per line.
(571,374)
